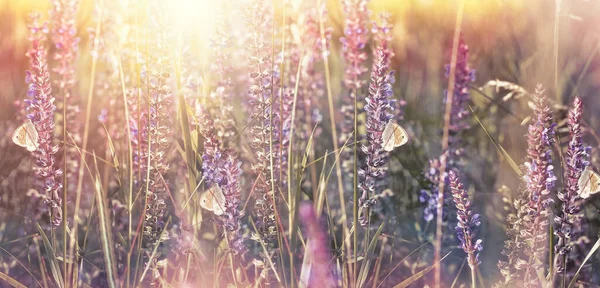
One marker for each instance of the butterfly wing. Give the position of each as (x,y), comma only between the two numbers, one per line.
(31,136)
(26,136)
(19,136)
(585,183)
(387,137)
(218,201)
(400,135)
(206,200)
(594,182)
(213,200)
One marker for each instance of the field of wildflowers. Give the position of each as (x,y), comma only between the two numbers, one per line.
(299,143)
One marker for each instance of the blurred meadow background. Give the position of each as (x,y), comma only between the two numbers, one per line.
(173,105)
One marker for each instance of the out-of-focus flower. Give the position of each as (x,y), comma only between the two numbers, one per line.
(354,41)
(264,132)
(317,247)
(66,42)
(458,122)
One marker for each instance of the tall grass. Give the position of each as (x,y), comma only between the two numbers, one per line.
(249,151)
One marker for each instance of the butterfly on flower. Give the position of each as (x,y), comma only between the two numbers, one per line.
(213,200)
(589,183)
(393,136)
(26,136)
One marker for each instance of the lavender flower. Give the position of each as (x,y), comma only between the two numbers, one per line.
(220,166)
(317,247)
(353,44)
(570,219)
(467,222)
(260,92)
(526,247)
(539,180)
(379,112)
(155,137)
(221,68)
(312,84)
(41,113)
(458,123)
(66,43)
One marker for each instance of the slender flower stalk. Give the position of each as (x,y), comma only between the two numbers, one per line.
(353,43)
(467,223)
(379,109)
(40,108)
(569,221)
(66,43)
(155,138)
(222,94)
(317,247)
(263,113)
(527,246)
(458,123)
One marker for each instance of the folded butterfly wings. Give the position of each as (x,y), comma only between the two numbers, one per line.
(213,200)
(393,136)
(26,136)
(589,183)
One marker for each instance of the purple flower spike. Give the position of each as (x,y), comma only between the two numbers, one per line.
(527,236)
(458,123)
(41,113)
(569,220)
(266,120)
(355,38)
(380,110)
(63,35)
(467,221)
(220,166)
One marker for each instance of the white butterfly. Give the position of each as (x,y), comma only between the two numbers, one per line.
(26,136)
(589,183)
(213,200)
(393,136)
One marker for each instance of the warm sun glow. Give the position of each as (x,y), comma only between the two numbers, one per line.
(299,143)
(193,15)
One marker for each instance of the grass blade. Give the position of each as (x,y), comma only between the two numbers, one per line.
(54,267)
(589,255)
(419,274)
(11,281)
(511,162)
(364,268)
(105,231)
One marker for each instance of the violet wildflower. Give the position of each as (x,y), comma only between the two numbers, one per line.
(570,219)
(221,167)
(41,113)
(353,44)
(527,246)
(64,37)
(155,138)
(317,247)
(220,43)
(261,89)
(458,123)
(467,223)
(312,84)
(379,109)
